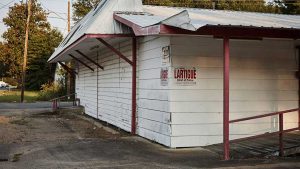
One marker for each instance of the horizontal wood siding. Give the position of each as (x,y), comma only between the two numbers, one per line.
(153,103)
(115,86)
(262,80)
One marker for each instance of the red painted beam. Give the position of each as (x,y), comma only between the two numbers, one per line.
(263,135)
(115,51)
(89,36)
(263,115)
(91,60)
(281,146)
(298,47)
(236,32)
(78,60)
(226,99)
(134,67)
(69,70)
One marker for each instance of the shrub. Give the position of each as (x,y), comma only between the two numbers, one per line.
(50,91)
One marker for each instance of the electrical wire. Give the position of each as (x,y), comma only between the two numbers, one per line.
(4,6)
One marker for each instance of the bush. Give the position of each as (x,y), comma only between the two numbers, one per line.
(50,91)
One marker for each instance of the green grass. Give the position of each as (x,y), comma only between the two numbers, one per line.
(15,96)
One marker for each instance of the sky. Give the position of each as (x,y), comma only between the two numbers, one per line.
(56,8)
(57,13)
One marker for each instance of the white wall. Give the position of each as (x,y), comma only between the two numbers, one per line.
(114,89)
(154,121)
(262,81)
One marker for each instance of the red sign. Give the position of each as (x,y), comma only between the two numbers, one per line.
(185,76)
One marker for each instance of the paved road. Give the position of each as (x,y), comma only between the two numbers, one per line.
(46,140)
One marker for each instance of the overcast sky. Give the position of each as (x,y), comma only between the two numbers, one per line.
(56,8)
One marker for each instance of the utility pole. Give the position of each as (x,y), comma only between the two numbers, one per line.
(25,50)
(68,77)
(69,16)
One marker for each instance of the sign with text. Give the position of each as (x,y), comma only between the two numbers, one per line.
(185,76)
(164,76)
(166,56)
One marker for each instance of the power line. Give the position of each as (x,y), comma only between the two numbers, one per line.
(4,6)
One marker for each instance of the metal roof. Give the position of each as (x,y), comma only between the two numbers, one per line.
(193,19)
(100,21)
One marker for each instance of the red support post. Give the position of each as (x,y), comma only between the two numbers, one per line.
(226,99)
(134,57)
(298,75)
(281,146)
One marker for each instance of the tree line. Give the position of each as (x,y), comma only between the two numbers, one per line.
(43,39)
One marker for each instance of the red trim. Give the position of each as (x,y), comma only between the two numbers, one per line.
(226,99)
(264,115)
(138,30)
(78,60)
(115,51)
(91,60)
(281,146)
(89,36)
(229,31)
(69,70)
(236,32)
(134,57)
(263,135)
(298,76)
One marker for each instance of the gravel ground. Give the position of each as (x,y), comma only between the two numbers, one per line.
(36,139)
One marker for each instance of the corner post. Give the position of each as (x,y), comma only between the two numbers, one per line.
(298,48)
(134,58)
(226,98)
(281,146)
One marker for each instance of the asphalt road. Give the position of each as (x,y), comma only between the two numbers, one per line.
(37,138)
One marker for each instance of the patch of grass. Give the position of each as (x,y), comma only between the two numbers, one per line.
(16,157)
(15,96)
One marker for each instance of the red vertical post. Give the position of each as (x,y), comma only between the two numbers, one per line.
(298,47)
(226,98)
(134,56)
(281,152)
(53,105)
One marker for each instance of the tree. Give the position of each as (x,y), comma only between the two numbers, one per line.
(288,6)
(42,42)
(5,60)
(82,7)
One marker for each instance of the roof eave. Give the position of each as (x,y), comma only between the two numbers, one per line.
(81,39)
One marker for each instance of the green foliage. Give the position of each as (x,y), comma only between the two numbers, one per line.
(288,6)
(50,91)
(14,96)
(278,6)
(82,7)
(42,42)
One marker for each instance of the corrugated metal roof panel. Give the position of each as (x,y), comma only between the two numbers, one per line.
(202,17)
(100,21)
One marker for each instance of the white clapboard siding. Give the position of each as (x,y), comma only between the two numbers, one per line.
(106,94)
(262,80)
(153,106)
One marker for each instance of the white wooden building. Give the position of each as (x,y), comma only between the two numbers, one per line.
(159,72)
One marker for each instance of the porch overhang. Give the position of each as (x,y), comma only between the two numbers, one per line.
(85,43)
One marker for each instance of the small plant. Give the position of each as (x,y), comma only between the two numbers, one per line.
(50,91)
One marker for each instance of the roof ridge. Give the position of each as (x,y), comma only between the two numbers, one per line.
(219,10)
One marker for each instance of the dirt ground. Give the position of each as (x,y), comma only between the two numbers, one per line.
(36,139)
